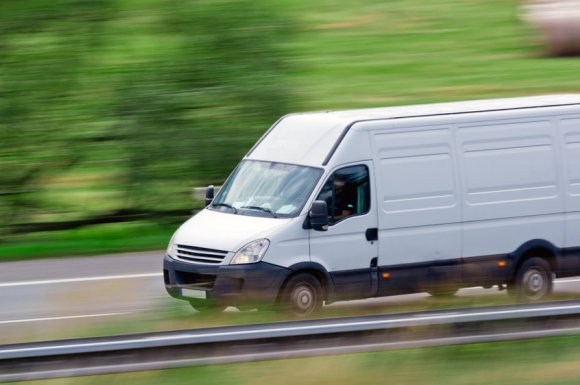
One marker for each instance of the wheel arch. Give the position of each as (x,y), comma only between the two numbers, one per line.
(535,248)
(318,271)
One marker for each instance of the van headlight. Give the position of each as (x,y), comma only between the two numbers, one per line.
(251,253)
(171,249)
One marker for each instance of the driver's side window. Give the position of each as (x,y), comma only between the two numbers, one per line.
(346,193)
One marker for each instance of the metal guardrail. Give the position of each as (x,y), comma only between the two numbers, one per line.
(153,351)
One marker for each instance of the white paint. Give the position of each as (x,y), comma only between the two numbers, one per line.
(81,279)
(16,321)
(556,281)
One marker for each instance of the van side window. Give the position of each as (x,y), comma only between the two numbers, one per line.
(346,193)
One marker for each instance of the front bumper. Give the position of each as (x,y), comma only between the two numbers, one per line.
(225,284)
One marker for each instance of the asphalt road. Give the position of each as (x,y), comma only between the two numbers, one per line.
(38,299)
(51,298)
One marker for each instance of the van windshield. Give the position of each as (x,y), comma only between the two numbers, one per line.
(266,189)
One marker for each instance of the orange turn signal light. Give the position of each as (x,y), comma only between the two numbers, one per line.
(386,275)
(502,263)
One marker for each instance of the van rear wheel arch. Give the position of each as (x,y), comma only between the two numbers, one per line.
(536,248)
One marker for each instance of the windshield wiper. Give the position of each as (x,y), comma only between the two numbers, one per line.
(225,205)
(260,208)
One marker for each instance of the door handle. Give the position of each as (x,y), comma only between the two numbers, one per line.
(372,234)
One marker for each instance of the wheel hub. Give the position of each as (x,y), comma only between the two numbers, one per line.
(535,283)
(303,299)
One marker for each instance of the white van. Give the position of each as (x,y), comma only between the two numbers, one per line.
(341,205)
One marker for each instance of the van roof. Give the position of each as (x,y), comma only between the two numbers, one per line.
(285,142)
(456,107)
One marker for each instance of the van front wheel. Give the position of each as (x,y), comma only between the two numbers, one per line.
(533,280)
(302,295)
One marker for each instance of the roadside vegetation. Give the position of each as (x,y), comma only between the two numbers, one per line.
(112,110)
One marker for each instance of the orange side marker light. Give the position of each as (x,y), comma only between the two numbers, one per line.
(502,263)
(386,275)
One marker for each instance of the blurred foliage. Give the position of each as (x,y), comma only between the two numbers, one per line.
(165,92)
(193,110)
(44,51)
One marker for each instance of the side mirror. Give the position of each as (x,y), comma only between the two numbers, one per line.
(209,194)
(319,216)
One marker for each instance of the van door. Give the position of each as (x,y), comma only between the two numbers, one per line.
(349,249)
(419,210)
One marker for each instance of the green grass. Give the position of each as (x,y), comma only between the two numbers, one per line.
(376,53)
(98,239)
(552,361)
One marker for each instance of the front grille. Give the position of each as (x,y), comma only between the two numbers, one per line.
(200,254)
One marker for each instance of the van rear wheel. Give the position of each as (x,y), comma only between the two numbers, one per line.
(533,280)
(302,295)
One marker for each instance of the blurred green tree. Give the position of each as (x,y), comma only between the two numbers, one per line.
(190,111)
(44,47)
(169,92)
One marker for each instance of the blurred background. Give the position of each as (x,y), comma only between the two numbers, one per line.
(112,110)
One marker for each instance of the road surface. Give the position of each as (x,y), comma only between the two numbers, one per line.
(54,298)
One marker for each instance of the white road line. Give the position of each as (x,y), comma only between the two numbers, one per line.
(556,281)
(149,275)
(567,280)
(81,279)
(15,321)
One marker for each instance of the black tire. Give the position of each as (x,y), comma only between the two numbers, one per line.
(533,280)
(302,295)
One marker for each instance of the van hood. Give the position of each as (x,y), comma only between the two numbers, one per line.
(224,231)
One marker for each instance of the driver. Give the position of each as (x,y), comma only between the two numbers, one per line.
(344,198)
